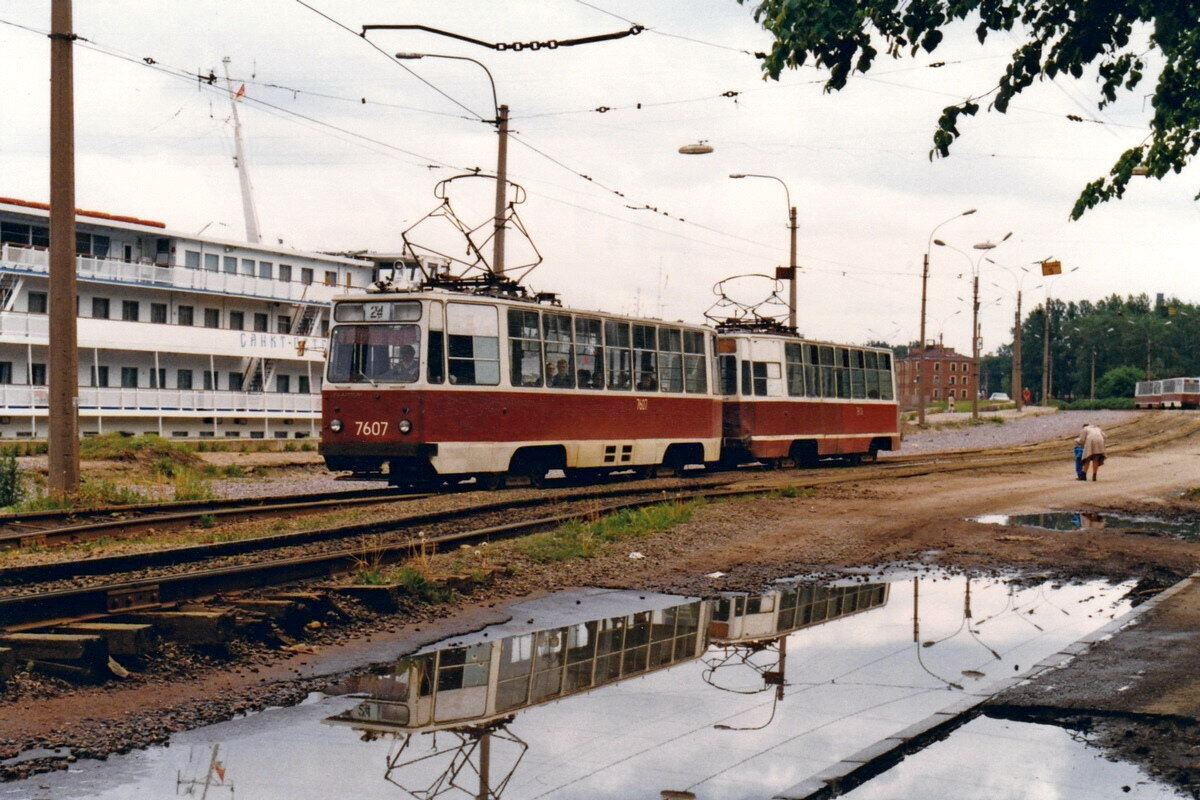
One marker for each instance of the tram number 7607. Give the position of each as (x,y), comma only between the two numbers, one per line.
(370,428)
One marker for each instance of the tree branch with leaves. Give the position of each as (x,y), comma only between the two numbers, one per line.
(1062,37)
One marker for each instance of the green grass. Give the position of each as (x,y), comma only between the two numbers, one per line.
(90,495)
(794,491)
(585,539)
(190,486)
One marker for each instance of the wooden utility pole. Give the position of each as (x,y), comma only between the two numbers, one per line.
(63,345)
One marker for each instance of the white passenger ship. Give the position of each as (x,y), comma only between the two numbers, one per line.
(180,335)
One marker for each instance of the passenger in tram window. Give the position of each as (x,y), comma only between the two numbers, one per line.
(647,382)
(623,381)
(562,375)
(403,366)
(585,379)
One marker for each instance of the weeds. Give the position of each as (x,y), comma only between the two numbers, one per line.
(90,495)
(795,491)
(190,486)
(586,538)
(206,520)
(11,490)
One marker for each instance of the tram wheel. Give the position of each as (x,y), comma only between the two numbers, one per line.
(490,481)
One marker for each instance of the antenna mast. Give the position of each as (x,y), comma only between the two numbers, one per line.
(239,160)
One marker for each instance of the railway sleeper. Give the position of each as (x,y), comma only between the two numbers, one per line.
(8,664)
(76,657)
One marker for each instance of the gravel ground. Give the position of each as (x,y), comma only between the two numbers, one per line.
(1033,424)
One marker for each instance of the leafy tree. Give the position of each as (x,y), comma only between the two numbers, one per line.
(1062,37)
(1118,382)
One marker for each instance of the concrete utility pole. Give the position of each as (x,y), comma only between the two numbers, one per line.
(64,349)
(1016,359)
(501,187)
(1046,352)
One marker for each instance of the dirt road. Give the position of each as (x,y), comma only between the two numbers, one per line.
(864,522)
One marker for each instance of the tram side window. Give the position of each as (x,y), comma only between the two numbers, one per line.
(437,345)
(754,378)
(841,360)
(858,385)
(645,357)
(828,372)
(872,375)
(695,377)
(589,353)
(618,359)
(728,374)
(795,370)
(670,359)
(812,386)
(885,376)
(557,335)
(473,339)
(524,348)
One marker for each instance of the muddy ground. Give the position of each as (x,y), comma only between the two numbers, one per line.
(865,523)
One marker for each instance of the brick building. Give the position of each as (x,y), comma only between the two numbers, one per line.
(947,374)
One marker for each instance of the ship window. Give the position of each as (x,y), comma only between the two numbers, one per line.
(158,312)
(330,278)
(265,269)
(473,333)
(212,262)
(100,307)
(303,385)
(129,377)
(283,325)
(158,378)
(260,323)
(306,276)
(617,356)
(247,266)
(184,315)
(210,380)
(589,353)
(131,310)
(557,333)
(283,384)
(231,265)
(285,272)
(183,379)
(212,317)
(237,320)
(235,381)
(191,258)
(695,378)
(38,302)
(524,348)
(99,376)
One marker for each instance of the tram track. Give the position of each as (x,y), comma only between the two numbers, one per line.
(89,588)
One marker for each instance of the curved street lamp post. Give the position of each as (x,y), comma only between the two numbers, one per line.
(924,285)
(792,226)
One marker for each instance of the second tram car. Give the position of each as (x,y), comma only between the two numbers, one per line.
(787,397)
(454,384)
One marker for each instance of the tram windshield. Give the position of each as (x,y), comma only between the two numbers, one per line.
(375,354)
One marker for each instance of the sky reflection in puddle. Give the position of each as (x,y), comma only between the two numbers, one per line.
(992,758)
(614,694)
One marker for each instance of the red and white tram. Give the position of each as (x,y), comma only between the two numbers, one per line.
(451,384)
(787,397)
(1168,393)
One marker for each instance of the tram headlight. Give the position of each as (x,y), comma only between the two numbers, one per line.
(335,425)
(405,426)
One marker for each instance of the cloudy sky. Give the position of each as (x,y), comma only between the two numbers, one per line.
(345,147)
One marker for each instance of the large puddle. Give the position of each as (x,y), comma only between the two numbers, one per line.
(1187,529)
(612,694)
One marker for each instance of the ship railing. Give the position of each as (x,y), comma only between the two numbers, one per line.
(15,398)
(16,324)
(118,270)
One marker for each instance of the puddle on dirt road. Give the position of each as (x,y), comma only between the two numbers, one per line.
(604,694)
(1186,529)
(989,758)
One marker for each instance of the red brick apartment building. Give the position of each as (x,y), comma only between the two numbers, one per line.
(947,374)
